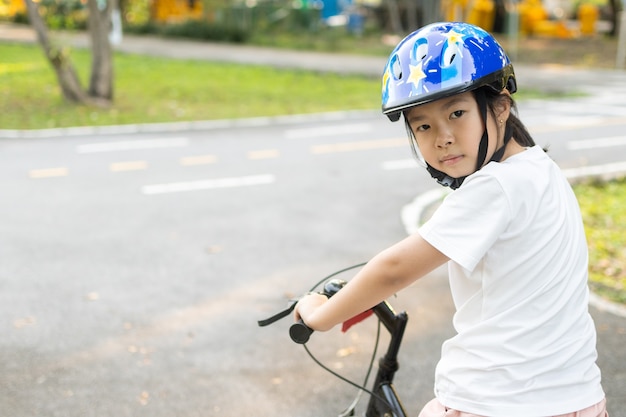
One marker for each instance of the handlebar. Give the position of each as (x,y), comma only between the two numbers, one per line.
(300,332)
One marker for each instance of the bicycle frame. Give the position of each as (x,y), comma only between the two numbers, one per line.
(388,365)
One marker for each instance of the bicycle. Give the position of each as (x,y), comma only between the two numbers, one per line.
(384,400)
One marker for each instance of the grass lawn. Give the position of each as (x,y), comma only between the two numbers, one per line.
(155,90)
(602,205)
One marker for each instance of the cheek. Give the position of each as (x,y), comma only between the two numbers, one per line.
(470,134)
(424,146)
(420,144)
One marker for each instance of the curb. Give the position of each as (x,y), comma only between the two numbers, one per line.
(187,126)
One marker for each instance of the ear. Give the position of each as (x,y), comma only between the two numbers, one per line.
(502,108)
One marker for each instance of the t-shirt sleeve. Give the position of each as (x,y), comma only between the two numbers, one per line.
(469,220)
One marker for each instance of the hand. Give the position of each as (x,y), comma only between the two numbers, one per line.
(306,306)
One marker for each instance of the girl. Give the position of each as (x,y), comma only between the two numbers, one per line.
(511,234)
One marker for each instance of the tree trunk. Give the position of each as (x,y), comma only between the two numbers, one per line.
(615,13)
(431,11)
(411,12)
(101,81)
(58,58)
(394,16)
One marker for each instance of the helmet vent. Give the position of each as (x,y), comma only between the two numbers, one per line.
(396,69)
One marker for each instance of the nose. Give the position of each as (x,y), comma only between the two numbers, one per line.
(444,138)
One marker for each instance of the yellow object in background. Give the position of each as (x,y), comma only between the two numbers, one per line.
(587,17)
(482,13)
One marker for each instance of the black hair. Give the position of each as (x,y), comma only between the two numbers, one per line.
(519,133)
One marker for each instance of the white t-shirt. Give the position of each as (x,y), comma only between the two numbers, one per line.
(525,343)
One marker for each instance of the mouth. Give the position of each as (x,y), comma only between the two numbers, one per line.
(451,159)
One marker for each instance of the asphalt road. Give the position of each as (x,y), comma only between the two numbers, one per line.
(135,265)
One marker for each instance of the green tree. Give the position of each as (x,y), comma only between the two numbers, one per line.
(100,89)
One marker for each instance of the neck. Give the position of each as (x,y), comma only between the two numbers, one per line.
(512,148)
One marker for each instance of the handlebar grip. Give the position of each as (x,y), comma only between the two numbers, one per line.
(300,332)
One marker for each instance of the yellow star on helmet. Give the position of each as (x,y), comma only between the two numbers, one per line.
(454,37)
(385,78)
(416,74)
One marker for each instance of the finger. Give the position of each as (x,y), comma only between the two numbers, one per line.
(296,312)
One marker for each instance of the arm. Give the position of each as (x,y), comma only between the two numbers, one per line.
(388,272)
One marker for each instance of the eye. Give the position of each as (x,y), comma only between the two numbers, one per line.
(422,128)
(456,114)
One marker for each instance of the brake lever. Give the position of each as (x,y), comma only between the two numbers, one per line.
(278,316)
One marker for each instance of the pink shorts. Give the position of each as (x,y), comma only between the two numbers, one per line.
(435,409)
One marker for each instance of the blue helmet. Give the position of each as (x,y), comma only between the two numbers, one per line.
(440,60)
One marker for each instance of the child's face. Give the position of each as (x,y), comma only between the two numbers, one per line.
(448,133)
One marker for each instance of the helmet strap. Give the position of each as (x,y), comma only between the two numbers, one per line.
(484,140)
(443,178)
(497,155)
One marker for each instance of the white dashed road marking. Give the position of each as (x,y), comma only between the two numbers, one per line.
(597,143)
(595,170)
(176,187)
(132,145)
